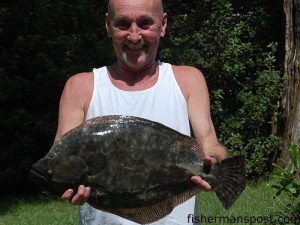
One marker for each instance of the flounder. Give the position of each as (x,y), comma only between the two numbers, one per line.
(136,168)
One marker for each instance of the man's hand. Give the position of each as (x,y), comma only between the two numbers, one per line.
(79,198)
(208,160)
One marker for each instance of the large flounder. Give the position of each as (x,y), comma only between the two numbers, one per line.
(136,168)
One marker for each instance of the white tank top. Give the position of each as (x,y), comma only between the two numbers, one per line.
(163,103)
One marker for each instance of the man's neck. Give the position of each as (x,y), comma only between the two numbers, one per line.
(128,79)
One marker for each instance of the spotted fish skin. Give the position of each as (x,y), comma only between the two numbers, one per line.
(137,168)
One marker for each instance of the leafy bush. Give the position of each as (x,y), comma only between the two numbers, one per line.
(287,179)
(287,182)
(238,56)
(42,44)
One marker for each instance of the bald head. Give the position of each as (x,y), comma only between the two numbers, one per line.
(156,4)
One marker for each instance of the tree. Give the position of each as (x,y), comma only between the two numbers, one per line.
(291,100)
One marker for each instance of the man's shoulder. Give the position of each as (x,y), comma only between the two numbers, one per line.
(79,87)
(187,74)
(185,69)
(80,81)
(80,78)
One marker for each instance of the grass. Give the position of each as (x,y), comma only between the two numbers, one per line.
(256,201)
(39,210)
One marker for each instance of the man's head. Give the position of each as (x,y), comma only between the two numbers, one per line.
(158,7)
(136,27)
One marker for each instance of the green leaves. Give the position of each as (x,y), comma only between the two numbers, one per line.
(295,157)
(286,177)
(239,58)
(42,44)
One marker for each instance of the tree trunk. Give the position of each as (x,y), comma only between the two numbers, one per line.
(291,71)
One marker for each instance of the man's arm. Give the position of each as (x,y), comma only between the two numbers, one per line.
(200,117)
(194,88)
(73,106)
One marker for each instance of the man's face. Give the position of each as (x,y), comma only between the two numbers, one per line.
(136,27)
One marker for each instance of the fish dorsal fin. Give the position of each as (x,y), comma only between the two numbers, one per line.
(149,214)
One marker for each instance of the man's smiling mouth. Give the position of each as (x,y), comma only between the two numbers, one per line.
(138,46)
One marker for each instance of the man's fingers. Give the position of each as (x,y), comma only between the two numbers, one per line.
(86,195)
(67,195)
(207,160)
(78,198)
(200,182)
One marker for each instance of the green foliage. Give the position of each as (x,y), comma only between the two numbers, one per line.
(286,182)
(286,178)
(42,44)
(239,59)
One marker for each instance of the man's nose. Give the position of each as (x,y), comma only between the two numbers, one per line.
(134,34)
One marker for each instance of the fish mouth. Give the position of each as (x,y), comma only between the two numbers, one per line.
(44,182)
(37,176)
(41,178)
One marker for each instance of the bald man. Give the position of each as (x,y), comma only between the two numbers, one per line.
(137,85)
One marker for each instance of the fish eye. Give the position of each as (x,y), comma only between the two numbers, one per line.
(50,172)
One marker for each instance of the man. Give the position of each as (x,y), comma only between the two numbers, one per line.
(136,84)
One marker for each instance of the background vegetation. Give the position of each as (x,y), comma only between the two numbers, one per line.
(237,44)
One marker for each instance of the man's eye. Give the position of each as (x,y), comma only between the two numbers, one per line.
(145,24)
(122,25)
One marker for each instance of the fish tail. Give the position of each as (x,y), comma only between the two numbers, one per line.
(229,179)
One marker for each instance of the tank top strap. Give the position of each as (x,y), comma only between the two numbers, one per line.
(101,76)
(165,73)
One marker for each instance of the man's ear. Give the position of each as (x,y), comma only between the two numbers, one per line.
(107,25)
(164,25)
